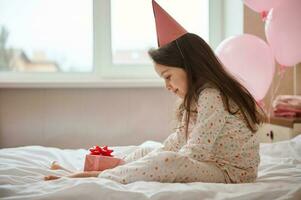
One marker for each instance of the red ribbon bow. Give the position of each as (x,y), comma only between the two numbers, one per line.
(104,151)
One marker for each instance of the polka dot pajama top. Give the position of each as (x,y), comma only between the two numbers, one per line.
(219,148)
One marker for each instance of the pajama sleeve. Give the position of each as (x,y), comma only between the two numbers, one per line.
(210,120)
(140,152)
(174,142)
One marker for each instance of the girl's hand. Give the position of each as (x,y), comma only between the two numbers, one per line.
(75,175)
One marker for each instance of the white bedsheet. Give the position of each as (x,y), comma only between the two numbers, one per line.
(22,170)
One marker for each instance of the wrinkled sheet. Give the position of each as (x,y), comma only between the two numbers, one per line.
(22,170)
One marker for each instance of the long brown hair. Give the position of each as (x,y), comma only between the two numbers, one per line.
(191,53)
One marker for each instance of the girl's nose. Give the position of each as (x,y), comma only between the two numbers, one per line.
(167,86)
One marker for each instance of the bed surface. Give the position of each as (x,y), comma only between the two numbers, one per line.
(22,170)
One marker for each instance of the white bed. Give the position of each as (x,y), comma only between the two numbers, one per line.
(22,170)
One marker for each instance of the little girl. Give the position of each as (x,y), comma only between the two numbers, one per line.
(216,138)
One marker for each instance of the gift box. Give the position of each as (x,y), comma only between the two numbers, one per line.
(100,158)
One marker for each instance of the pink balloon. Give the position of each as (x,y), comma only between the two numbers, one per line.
(250,60)
(283,32)
(261,5)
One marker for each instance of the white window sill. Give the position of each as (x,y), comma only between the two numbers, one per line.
(85,84)
(74,81)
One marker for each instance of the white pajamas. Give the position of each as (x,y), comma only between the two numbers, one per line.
(219,148)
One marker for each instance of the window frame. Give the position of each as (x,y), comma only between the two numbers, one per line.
(105,75)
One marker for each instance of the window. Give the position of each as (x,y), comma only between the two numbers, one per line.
(46,36)
(90,42)
(133,27)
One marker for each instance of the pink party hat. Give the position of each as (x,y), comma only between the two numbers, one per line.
(168,29)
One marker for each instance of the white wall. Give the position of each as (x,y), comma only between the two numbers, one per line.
(79,118)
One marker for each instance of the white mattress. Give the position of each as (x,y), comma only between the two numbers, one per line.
(22,170)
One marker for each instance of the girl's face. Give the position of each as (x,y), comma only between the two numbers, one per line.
(175,79)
